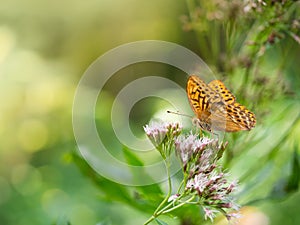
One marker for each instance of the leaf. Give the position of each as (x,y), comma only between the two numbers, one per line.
(114,192)
(160,222)
(279,190)
(111,190)
(294,179)
(63,221)
(149,195)
(104,222)
(286,186)
(148,190)
(131,158)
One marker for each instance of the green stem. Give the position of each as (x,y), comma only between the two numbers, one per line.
(181,185)
(166,210)
(203,42)
(150,219)
(155,214)
(169,187)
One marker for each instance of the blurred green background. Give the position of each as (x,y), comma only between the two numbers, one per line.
(45,46)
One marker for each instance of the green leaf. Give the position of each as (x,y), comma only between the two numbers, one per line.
(104,222)
(160,222)
(149,195)
(149,190)
(63,221)
(114,192)
(131,158)
(288,185)
(111,191)
(293,181)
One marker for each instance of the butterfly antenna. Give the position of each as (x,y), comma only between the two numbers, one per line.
(178,113)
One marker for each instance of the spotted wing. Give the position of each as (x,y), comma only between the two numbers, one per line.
(241,118)
(200,96)
(237,116)
(220,88)
(238,119)
(215,106)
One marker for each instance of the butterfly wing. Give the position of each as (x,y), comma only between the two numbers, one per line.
(215,106)
(232,118)
(220,88)
(240,115)
(237,116)
(203,100)
(199,95)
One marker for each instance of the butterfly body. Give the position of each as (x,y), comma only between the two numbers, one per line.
(216,107)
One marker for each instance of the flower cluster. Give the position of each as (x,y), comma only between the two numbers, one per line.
(204,178)
(204,184)
(255,5)
(213,191)
(162,135)
(188,146)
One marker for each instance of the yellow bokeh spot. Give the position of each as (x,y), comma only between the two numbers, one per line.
(32,135)
(248,216)
(26,179)
(7,42)
(54,201)
(40,98)
(82,214)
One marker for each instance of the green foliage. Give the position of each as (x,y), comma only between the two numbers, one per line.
(253,46)
(294,178)
(150,193)
(160,222)
(62,221)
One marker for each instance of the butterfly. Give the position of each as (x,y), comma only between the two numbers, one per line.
(216,108)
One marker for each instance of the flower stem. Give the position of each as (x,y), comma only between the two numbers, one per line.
(155,214)
(166,210)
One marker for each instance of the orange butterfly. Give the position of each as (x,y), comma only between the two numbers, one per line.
(216,108)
